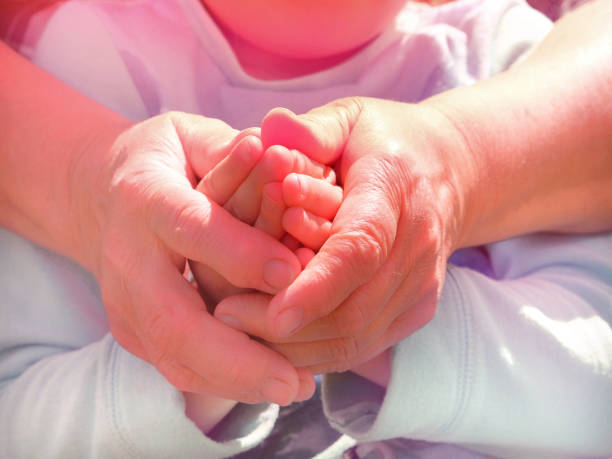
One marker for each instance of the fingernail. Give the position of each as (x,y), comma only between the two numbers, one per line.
(278,274)
(248,150)
(231,321)
(277,391)
(288,321)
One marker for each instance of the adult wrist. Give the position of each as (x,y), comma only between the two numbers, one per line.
(453,148)
(89,184)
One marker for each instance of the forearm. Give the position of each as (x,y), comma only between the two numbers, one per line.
(47,128)
(540,135)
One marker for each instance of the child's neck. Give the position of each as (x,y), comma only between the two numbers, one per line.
(264,65)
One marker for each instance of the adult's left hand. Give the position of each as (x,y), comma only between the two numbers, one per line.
(406,173)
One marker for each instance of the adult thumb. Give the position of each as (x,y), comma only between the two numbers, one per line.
(206,141)
(321,133)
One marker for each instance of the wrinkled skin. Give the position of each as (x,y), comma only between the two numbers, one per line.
(242,183)
(148,220)
(377,278)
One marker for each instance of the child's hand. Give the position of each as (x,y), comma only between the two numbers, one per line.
(258,188)
(261,195)
(312,204)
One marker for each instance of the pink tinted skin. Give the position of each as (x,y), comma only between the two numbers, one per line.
(276,39)
(377,369)
(249,183)
(222,183)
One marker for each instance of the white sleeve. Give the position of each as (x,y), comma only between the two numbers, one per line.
(515,365)
(67,389)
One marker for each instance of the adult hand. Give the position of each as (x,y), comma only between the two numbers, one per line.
(248,184)
(148,220)
(378,277)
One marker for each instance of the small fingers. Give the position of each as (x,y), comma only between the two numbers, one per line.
(226,177)
(363,236)
(311,230)
(312,204)
(275,164)
(273,207)
(317,196)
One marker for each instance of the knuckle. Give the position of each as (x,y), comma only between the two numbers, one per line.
(162,342)
(252,131)
(126,190)
(344,351)
(186,225)
(351,106)
(276,163)
(350,109)
(351,320)
(363,247)
(300,162)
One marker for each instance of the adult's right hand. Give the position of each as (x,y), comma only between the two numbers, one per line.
(405,172)
(148,219)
